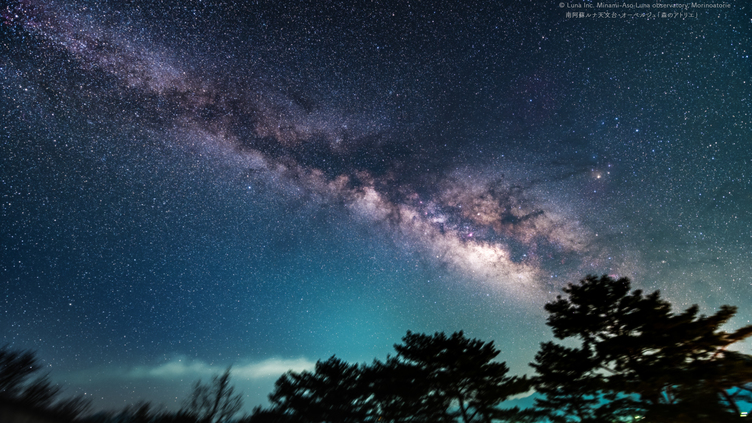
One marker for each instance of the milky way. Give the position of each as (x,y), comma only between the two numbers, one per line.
(198,184)
(471,224)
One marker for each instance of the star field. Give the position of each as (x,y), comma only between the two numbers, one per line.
(189,185)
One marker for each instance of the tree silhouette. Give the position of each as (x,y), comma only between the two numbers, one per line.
(397,392)
(15,369)
(38,396)
(570,383)
(215,402)
(142,412)
(432,379)
(332,393)
(636,357)
(459,377)
(267,415)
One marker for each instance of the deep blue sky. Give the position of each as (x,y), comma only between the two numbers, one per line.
(193,184)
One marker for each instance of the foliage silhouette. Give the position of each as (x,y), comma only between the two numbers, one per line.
(636,357)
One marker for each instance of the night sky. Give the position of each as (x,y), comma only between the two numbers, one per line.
(190,184)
